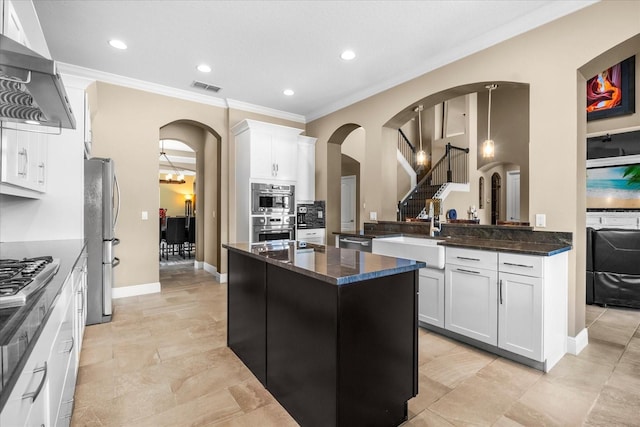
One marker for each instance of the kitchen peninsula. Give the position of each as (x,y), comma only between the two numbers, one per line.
(331,333)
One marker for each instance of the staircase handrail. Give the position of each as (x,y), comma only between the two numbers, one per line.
(444,161)
(404,137)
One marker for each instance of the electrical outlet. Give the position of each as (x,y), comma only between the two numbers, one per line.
(145,215)
(541,220)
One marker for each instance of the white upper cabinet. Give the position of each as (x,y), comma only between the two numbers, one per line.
(24,161)
(306,188)
(265,152)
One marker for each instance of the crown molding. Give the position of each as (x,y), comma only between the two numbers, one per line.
(95,75)
(271,112)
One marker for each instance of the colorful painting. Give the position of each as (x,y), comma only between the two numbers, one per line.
(612,92)
(614,187)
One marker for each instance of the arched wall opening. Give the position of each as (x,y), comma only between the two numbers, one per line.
(205,142)
(334,174)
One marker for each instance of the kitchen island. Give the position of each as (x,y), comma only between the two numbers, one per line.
(331,333)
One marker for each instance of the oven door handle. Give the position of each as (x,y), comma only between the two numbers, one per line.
(277,230)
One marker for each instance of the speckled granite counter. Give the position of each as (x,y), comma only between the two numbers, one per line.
(11,319)
(529,248)
(326,263)
(502,238)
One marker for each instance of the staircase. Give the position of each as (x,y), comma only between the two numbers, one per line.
(453,167)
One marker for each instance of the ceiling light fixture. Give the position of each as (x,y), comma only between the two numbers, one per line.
(348,55)
(421,157)
(288,92)
(488,147)
(169,177)
(118,44)
(204,68)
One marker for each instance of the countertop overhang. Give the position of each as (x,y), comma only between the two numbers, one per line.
(327,263)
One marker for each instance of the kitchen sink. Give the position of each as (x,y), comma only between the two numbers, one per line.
(417,248)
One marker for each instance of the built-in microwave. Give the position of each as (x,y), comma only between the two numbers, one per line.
(272,198)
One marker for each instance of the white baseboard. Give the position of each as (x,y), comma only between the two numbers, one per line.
(132,291)
(198,265)
(576,344)
(220,277)
(210,268)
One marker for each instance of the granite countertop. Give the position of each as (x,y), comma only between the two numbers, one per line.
(527,248)
(327,263)
(68,252)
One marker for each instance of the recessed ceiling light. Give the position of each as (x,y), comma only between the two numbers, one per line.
(288,92)
(31,122)
(348,55)
(118,44)
(204,68)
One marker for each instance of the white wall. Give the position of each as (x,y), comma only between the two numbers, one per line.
(59,214)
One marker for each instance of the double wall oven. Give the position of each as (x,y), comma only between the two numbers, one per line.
(272,212)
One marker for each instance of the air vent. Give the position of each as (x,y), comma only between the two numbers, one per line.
(205,86)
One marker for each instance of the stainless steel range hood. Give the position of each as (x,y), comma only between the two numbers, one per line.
(35,76)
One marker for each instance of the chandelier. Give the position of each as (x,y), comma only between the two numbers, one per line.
(169,178)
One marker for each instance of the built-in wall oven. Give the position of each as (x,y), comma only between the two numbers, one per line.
(272,199)
(266,228)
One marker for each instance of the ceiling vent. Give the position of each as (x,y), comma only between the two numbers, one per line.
(205,86)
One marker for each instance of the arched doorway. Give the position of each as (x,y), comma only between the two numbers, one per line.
(496,184)
(206,143)
(345,157)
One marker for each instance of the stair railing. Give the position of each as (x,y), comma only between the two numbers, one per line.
(407,149)
(453,166)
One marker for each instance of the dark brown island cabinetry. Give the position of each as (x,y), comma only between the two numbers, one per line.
(331,333)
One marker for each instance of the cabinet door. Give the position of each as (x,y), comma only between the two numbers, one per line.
(15,157)
(431,297)
(306,182)
(37,161)
(285,158)
(471,297)
(520,315)
(262,165)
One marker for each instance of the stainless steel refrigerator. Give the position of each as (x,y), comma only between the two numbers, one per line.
(101,208)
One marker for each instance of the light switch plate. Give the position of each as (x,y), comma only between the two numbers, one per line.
(145,215)
(373,216)
(541,220)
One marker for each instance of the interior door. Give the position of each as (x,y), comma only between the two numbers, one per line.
(348,203)
(513,195)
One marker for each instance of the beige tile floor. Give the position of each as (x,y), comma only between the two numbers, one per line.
(162,361)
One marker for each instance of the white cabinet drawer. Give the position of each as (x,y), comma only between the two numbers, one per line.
(472,258)
(526,265)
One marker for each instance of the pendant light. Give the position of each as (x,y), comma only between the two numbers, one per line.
(421,157)
(169,177)
(488,149)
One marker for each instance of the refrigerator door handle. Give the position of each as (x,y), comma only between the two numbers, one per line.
(117,206)
(116,241)
(116,262)
(107,291)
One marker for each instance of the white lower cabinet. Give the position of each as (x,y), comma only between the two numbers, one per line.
(471,302)
(431,297)
(515,302)
(520,315)
(43,393)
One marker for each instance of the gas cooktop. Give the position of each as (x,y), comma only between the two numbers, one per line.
(20,278)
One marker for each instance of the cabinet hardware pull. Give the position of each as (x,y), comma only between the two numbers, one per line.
(25,163)
(468,271)
(41,180)
(355,241)
(500,291)
(34,395)
(517,265)
(468,259)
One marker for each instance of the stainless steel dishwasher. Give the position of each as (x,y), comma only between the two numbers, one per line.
(357,243)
